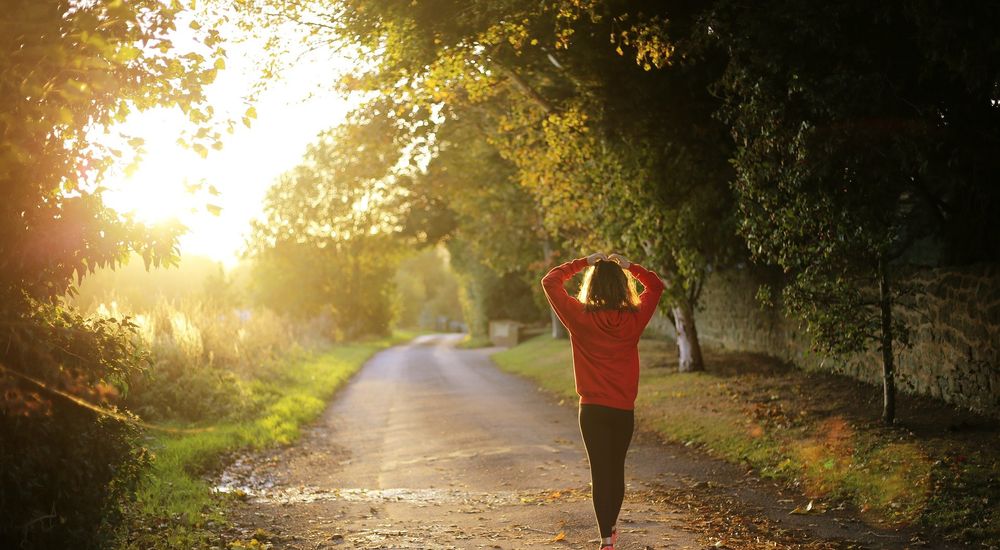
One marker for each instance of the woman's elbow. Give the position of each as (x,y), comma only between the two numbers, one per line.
(549,283)
(548,290)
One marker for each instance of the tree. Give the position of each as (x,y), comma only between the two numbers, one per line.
(612,152)
(496,238)
(862,131)
(327,242)
(635,161)
(428,290)
(71,70)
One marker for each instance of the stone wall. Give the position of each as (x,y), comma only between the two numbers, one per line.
(955,334)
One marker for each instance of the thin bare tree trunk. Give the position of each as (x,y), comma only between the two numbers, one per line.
(558,330)
(688,346)
(888,368)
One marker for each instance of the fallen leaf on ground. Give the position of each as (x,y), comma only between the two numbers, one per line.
(808,508)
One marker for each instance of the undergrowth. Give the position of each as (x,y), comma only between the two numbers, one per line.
(474,342)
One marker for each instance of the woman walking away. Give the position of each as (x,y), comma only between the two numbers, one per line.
(604,323)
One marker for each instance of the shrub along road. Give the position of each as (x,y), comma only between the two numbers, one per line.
(431,446)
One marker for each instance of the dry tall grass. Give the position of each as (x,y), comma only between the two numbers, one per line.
(205,357)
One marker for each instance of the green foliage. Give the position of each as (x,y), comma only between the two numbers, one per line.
(204,351)
(427,290)
(605,152)
(72,73)
(496,240)
(326,245)
(72,70)
(493,217)
(204,359)
(856,128)
(575,121)
(488,295)
(64,468)
(66,476)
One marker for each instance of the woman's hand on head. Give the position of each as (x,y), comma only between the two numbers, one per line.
(593,258)
(620,260)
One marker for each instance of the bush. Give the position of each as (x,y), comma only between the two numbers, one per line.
(65,470)
(65,477)
(68,474)
(206,359)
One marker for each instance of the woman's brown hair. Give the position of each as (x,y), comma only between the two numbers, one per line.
(607,286)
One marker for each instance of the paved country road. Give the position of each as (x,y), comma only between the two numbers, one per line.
(430,446)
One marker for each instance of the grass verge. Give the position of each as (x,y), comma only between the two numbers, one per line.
(938,467)
(176,507)
(473,342)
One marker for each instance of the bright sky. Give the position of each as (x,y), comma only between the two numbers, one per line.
(289,115)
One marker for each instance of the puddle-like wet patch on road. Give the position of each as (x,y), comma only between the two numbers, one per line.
(418,497)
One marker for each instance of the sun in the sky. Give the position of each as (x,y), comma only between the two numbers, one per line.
(216,196)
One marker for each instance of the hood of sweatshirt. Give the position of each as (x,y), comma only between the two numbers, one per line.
(614,322)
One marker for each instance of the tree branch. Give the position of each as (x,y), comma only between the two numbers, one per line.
(525,88)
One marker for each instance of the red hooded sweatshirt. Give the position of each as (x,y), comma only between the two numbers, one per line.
(605,343)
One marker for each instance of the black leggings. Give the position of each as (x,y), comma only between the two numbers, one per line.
(607,433)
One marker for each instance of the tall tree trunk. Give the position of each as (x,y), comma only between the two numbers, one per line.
(682,315)
(688,346)
(888,368)
(558,330)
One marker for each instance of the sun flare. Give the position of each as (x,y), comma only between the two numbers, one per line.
(160,190)
(216,196)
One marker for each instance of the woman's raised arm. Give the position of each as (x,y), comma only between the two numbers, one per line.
(567,308)
(652,290)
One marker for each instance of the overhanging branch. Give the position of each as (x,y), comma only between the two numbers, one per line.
(525,88)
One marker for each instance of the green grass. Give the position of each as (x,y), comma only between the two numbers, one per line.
(176,507)
(817,432)
(473,342)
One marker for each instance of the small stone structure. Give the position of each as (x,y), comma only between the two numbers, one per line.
(954,319)
(508,333)
(504,333)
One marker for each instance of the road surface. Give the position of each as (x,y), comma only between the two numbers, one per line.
(430,446)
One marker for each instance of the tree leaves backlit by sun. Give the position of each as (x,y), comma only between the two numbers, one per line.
(70,71)
(558,103)
(327,245)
